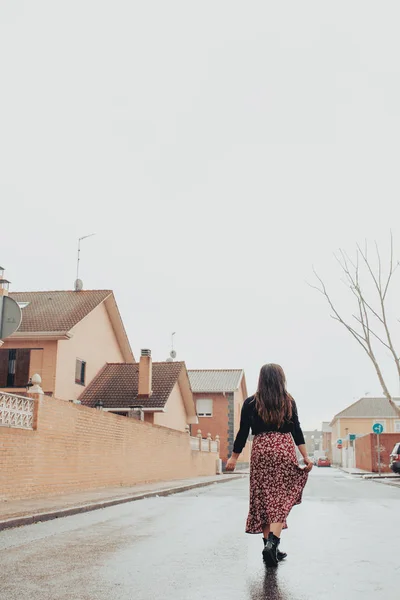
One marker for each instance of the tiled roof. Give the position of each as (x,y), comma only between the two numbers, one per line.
(370,407)
(56,311)
(117,385)
(213,380)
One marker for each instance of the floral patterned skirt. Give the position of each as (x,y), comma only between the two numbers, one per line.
(276,480)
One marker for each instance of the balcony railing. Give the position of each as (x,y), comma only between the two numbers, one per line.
(204,445)
(16,411)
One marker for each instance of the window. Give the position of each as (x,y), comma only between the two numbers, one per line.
(204,407)
(80,371)
(14,367)
(397,426)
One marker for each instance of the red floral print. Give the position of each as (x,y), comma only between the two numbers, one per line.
(276,480)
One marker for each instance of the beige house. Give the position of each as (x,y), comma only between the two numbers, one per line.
(158,392)
(357,420)
(66,337)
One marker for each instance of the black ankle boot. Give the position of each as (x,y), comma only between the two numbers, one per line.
(270,551)
(280,555)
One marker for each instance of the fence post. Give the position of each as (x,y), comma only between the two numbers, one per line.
(209,439)
(199,438)
(36,393)
(218,442)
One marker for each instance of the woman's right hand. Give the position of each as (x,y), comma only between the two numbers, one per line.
(309,464)
(231,464)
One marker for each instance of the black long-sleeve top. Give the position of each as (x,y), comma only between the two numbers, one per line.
(250,418)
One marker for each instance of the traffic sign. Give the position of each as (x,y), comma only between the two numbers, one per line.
(352,437)
(339,442)
(340,446)
(377,428)
(10,316)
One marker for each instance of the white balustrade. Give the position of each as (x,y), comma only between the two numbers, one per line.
(16,411)
(194,443)
(214,446)
(203,445)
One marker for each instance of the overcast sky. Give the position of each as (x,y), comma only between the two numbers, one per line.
(218,149)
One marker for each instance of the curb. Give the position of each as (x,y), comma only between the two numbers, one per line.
(386,481)
(370,475)
(384,476)
(355,474)
(83,508)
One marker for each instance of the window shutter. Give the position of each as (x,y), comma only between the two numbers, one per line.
(22,367)
(3,368)
(78,370)
(204,407)
(83,372)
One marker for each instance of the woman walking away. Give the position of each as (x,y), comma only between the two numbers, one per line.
(276,479)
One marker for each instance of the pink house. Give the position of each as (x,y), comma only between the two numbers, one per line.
(66,337)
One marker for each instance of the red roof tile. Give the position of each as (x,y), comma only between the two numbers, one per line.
(117,385)
(56,311)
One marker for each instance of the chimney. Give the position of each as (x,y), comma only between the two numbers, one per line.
(4,283)
(145,374)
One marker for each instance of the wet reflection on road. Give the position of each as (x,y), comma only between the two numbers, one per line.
(269,587)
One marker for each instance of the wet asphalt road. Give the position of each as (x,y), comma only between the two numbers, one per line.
(343,542)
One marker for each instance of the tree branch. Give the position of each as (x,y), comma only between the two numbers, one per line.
(353,283)
(373,333)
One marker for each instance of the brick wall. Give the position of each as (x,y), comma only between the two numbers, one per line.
(363,448)
(78,448)
(367,451)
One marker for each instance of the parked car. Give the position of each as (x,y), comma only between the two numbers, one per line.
(317,455)
(394,462)
(324,462)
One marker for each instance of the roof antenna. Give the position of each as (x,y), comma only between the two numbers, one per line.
(79,282)
(172,354)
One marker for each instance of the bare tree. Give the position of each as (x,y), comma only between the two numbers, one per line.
(369,325)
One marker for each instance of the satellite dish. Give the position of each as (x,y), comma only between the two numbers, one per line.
(10,316)
(78,285)
(172,354)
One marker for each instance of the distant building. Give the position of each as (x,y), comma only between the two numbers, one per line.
(313,441)
(219,395)
(357,420)
(327,439)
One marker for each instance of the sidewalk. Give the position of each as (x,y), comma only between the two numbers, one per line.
(369,474)
(393,481)
(388,478)
(355,471)
(25,512)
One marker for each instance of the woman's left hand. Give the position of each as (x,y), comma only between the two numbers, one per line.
(231,464)
(309,464)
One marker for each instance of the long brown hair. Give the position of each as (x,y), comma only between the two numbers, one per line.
(273,403)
